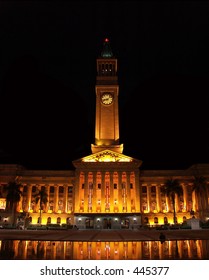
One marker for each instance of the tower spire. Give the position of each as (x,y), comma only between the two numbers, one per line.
(106,51)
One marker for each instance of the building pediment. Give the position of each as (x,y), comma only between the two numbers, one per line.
(106,156)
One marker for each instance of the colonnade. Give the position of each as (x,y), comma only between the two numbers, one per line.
(161,203)
(60,198)
(103,192)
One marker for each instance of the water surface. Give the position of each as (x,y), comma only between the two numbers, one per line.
(131,250)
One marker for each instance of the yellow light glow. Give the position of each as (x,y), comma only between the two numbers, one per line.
(107,156)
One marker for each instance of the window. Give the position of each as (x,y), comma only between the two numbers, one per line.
(68,220)
(51,189)
(61,189)
(58,220)
(156,220)
(144,205)
(70,189)
(99,186)
(153,189)
(34,189)
(144,189)
(131,186)
(146,220)
(60,205)
(153,206)
(51,205)
(162,190)
(115,186)
(82,186)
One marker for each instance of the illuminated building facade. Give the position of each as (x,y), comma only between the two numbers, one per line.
(107,189)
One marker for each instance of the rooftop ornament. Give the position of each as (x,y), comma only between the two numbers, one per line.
(106,52)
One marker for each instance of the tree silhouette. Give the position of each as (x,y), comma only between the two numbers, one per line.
(200,189)
(172,188)
(13,197)
(42,198)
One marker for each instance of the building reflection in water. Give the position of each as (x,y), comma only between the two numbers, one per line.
(143,250)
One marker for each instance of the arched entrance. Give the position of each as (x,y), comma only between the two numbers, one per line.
(89,223)
(107,223)
(125,222)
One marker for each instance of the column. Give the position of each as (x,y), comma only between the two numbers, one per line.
(65,198)
(167,202)
(47,204)
(86,201)
(56,197)
(138,194)
(194,202)
(158,198)
(120,204)
(20,206)
(28,198)
(185,197)
(177,203)
(76,189)
(111,193)
(94,198)
(128,195)
(148,198)
(37,204)
(103,193)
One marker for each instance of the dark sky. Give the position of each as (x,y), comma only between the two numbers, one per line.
(48,54)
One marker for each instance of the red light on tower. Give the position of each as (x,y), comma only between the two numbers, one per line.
(106,40)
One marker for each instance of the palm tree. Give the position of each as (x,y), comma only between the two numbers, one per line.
(200,188)
(171,188)
(42,198)
(13,197)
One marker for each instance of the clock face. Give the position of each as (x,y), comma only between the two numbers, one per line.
(107,98)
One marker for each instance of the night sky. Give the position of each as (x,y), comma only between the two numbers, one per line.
(48,53)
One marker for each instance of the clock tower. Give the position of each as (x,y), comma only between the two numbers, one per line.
(107,181)
(107,90)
